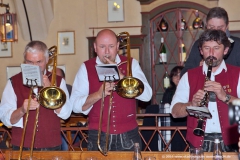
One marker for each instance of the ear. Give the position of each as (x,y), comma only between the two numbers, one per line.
(226,50)
(118,46)
(95,47)
(200,50)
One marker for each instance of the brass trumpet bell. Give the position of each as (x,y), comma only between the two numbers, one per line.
(52,97)
(129,87)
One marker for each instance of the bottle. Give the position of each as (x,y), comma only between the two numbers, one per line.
(183,53)
(217,153)
(183,25)
(166,81)
(137,152)
(162,52)
(197,23)
(163,25)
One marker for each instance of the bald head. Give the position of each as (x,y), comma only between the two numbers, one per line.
(106,45)
(105,32)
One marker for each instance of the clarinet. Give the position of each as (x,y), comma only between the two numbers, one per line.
(198,131)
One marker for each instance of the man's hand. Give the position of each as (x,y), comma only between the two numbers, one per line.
(33,105)
(197,97)
(216,88)
(46,82)
(109,86)
(110,62)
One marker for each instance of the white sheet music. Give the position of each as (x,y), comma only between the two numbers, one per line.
(32,75)
(110,71)
(199,111)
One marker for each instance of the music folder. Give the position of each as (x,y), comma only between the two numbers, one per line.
(202,112)
(32,75)
(107,72)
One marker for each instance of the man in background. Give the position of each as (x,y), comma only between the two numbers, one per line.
(217,18)
(60,72)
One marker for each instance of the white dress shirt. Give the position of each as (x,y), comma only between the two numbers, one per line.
(80,89)
(9,104)
(182,95)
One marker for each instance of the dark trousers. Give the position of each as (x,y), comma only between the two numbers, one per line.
(116,142)
(208,143)
(57,148)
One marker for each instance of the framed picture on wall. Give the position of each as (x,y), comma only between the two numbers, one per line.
(66,42)
(5,49)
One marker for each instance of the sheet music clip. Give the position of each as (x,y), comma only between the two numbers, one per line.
(107,72)
(32,83)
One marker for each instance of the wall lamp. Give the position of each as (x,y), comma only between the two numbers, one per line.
(8,25)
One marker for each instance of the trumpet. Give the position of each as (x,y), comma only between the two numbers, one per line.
(198,131)
(49,97)
(128,87)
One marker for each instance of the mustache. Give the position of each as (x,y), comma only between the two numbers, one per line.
(208,60)
(211,57)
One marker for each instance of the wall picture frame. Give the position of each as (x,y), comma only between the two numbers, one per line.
(66,42)
(5,49)
(115,11)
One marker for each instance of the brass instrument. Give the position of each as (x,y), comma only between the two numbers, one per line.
(198,131)
(52,97)
(49,97)
(128,87)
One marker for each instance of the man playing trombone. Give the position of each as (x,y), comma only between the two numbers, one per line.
(222,87)
(87,94)
(15,101)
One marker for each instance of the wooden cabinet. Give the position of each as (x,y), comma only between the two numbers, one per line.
(174,37)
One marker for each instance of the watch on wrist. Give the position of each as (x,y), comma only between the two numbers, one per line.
(228,97)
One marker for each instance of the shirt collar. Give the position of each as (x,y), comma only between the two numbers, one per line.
(218,71)
(117,60)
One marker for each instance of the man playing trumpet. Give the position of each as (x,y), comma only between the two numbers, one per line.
(223,87)
(87,93)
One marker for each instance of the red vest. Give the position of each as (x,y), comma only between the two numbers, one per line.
(229,81)
(48,133)
(123,112)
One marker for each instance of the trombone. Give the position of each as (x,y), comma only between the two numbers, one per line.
(49,97)
(128,87)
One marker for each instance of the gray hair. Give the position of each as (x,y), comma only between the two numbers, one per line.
(36,46)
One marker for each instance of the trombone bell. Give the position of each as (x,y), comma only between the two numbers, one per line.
(129,87)
(52,97)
